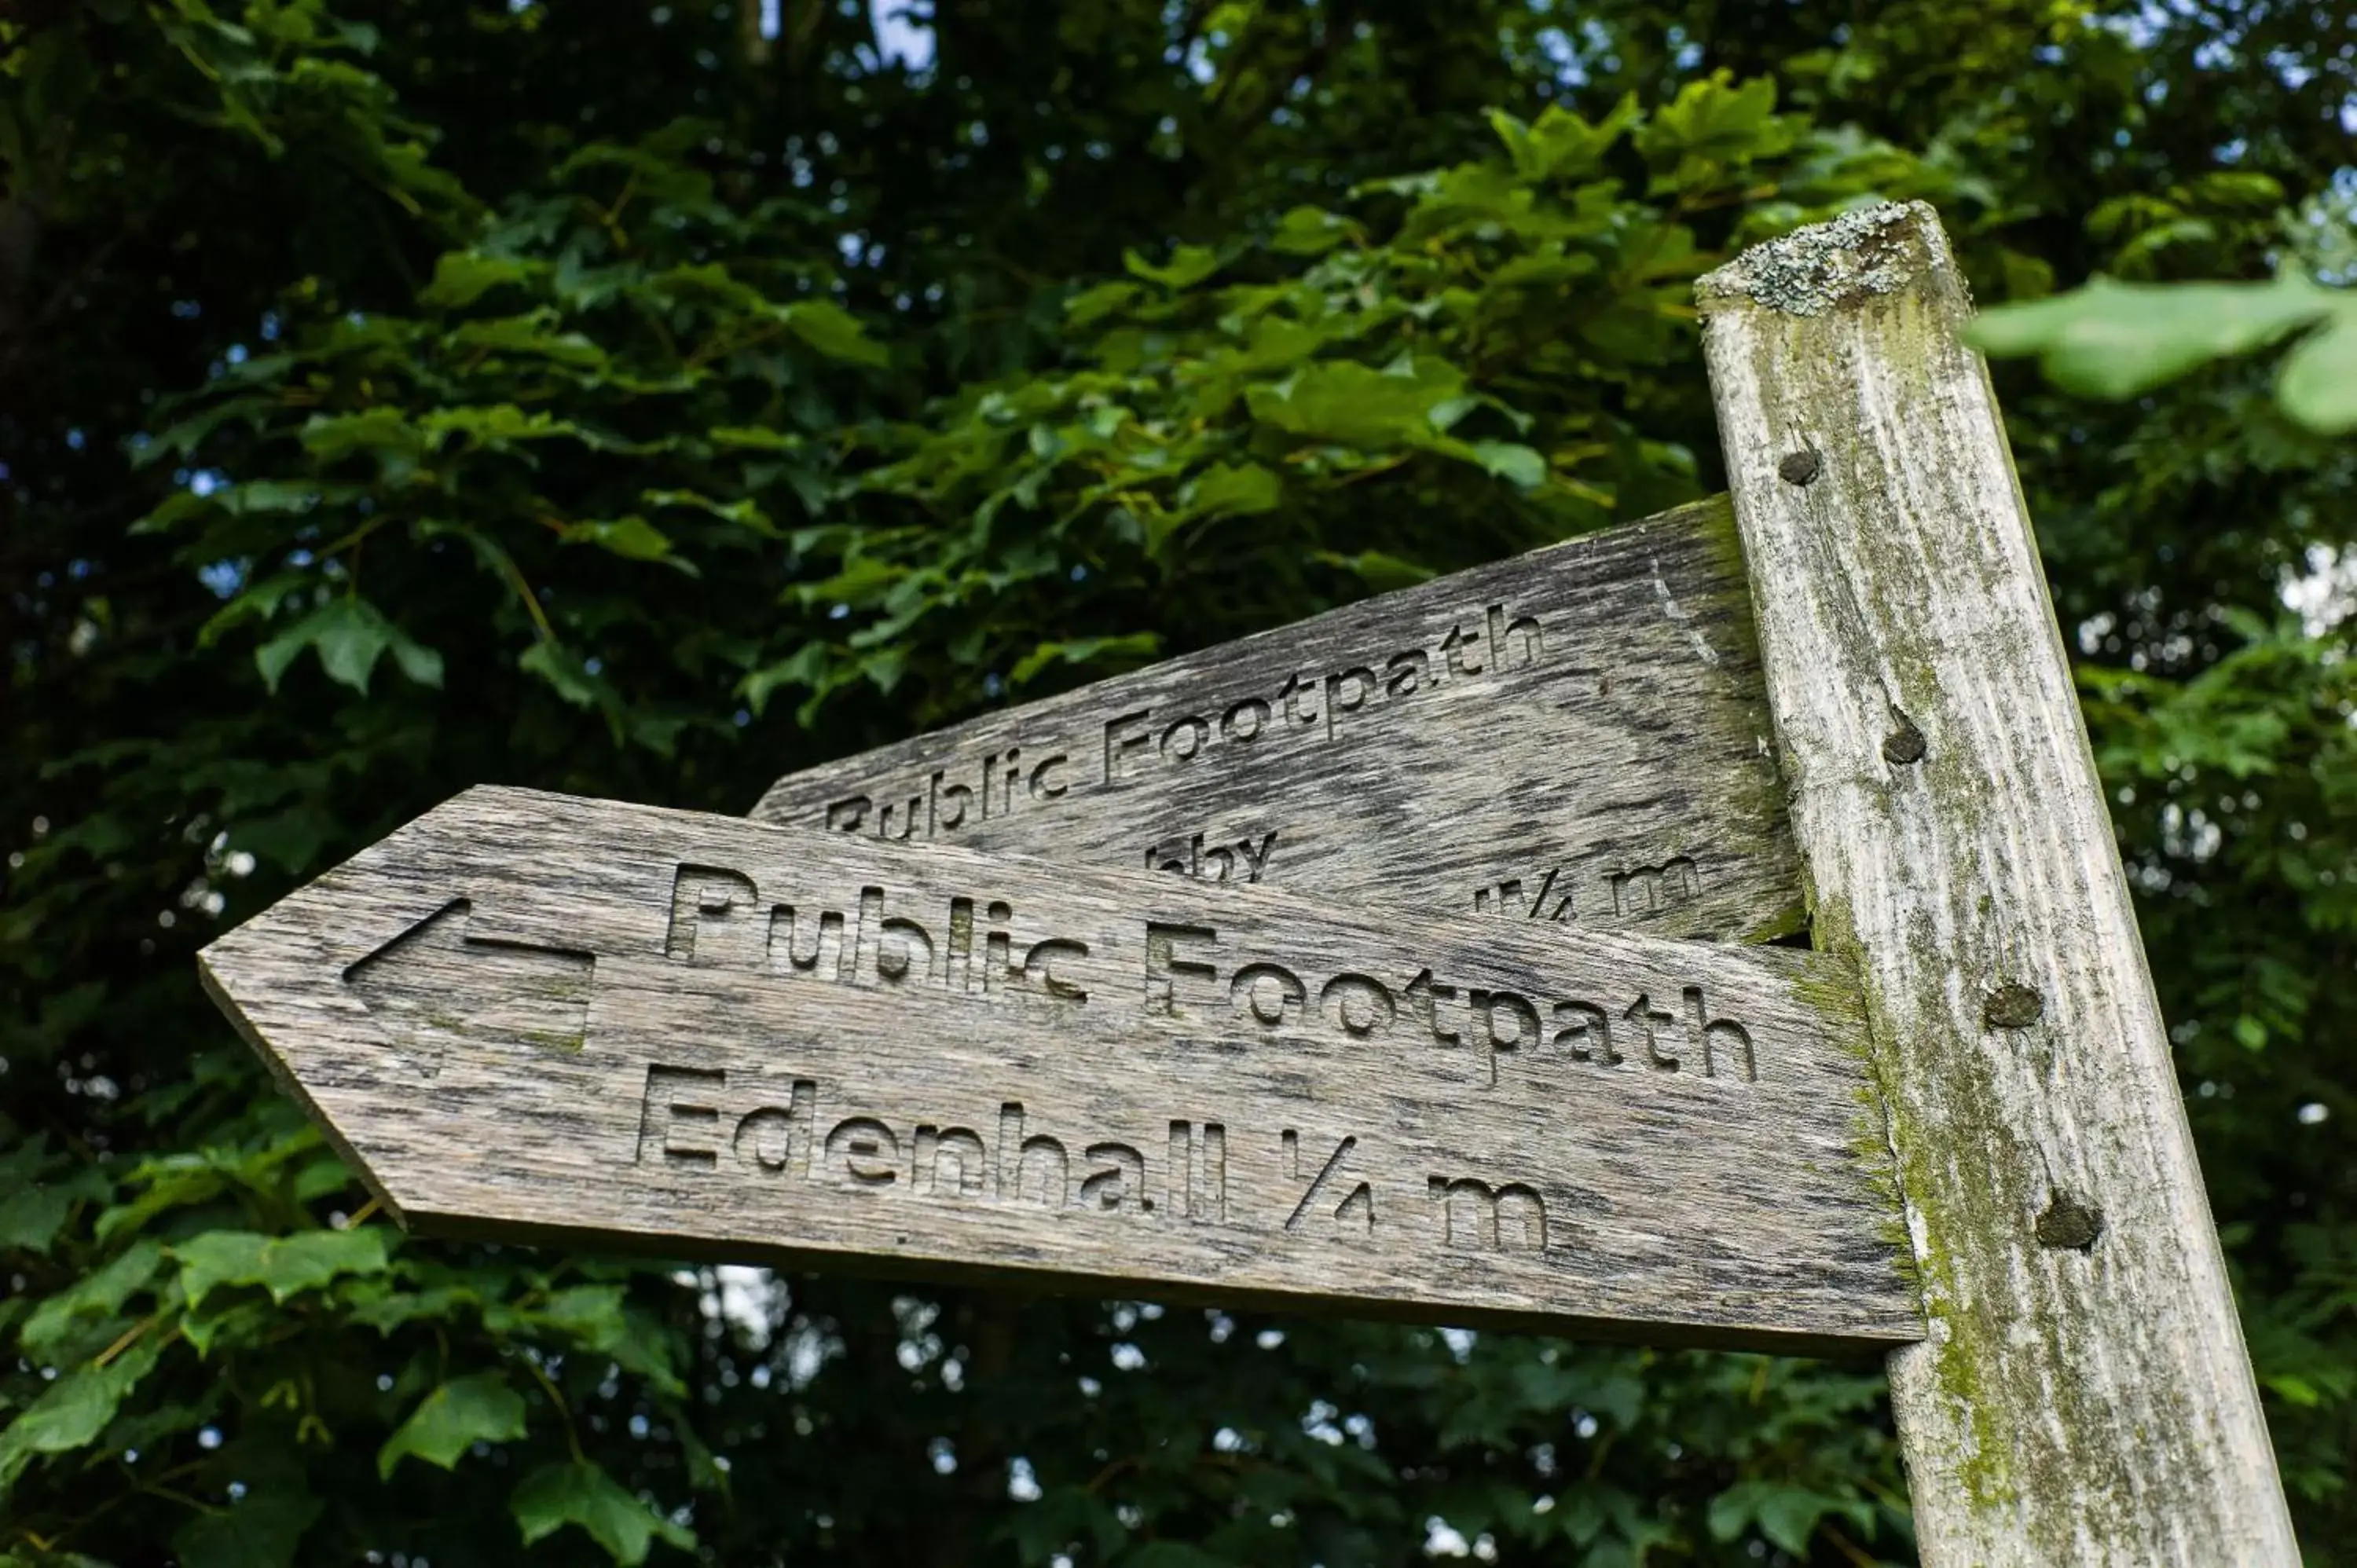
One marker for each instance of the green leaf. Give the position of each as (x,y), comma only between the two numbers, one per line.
(349,634)
(1312,232)
(1357,405)
(581,1493)
(1786,1515)
(1189,264)
(284,1265)
(633,538)
(30,1219)
(530,336)
(1516,464)
(567,673)
(2317,383)
(1565,146)
(494,426)
(461,277)
(835,332)
(260,1531)
(1133,648)
(1717,119)
(1241,490)
(97,1294)
(805,669)
(754,437)
(478,1407)
(2117,340)
(1091,305)
(1380,572)
(72,1410)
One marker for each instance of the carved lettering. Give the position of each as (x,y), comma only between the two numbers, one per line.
(1245,860)
(1196,1184)
(866,1151)
(675,1125)
(1041,790)
(1330,1194)
(1473,1213)
(962,1152)
(1651,1021)
(1311,704)
(778,1138)
(1270,992)
(1346,693)
(904,952)
(1116,1179)
(1502,632)
(1358,1004)
(1403,672)
(1586,1031)
(1164,966)
(1424,996)
(1184,739)
(1232,724)
(1718,1035)
(711,916)
(1119,743)
(1486,1007)
(1034,1169)
(1646,889)
(682,1112)
(821,958)
(1506,898)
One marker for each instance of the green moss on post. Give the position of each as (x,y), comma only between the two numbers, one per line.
(2083,1395)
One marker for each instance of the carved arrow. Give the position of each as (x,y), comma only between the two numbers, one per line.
(434,986)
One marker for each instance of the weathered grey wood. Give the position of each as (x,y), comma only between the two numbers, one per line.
(1577,735)
(532,1017)
(2083,1395)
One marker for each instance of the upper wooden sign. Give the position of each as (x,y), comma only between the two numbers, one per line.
(530,1017)
(1579,735)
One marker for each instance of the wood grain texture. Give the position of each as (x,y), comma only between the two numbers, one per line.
(529,1018)
(2083,1395)
(1578,736)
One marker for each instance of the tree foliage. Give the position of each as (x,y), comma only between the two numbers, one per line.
(646,403)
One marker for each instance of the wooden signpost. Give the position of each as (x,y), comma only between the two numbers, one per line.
(1574,736)
(2084,1394)
(535,1018)
(1126,1049)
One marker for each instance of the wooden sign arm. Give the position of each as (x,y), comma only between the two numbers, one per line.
(2084,1395)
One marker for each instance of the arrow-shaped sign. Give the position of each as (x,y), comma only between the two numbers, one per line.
(535,1018)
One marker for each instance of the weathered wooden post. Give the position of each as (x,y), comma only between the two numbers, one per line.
(2083,1395)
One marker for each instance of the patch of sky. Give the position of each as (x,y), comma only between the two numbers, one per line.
(223,579)
(904,33)
(1199,58)
(2326,593)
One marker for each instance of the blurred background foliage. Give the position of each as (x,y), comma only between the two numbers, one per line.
(646,401)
